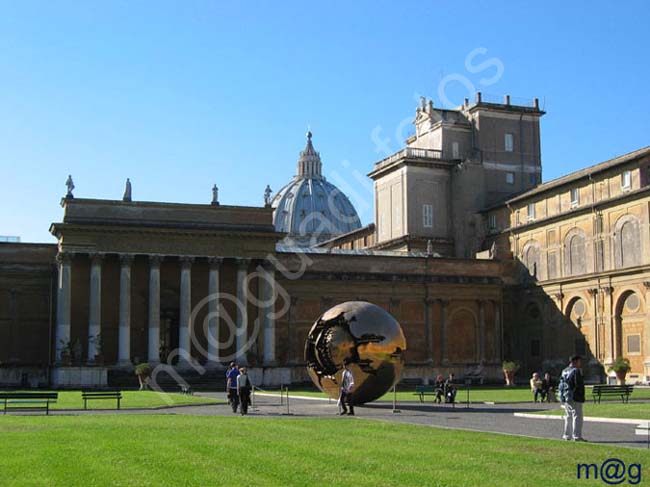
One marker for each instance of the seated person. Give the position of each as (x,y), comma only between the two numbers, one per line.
(536,386)
(450,390)
(548,388)
(439,387)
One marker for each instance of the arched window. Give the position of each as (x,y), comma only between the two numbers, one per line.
(575,261)
(630,243)
(530,257)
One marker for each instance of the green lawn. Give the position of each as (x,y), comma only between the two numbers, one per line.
(130,400)
(494,394)
(160,450)
(632,410)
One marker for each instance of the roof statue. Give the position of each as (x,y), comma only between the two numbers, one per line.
(70,186)
(127,191)
(215,195)
(267,195)
(309,209)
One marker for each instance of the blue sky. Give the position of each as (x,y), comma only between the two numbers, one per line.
(180,95)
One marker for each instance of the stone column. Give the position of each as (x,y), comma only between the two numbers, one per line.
(293,302)
(498,332)
(610,325)
(444,304)
(214,264)
(428,329)
(95,308)
(184,341)
(593,342)
(153,349)
(63,300)
(242,310)
(124,336)
(267,298)
(481,332)
(646,345)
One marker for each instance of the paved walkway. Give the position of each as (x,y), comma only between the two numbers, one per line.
(498,418)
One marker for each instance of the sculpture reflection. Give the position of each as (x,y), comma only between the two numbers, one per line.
(364,333)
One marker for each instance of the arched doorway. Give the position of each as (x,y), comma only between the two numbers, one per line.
(629,333)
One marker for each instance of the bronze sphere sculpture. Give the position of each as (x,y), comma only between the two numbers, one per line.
(367,335)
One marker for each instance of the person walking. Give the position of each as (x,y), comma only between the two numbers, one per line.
(231,386)
(347,386)
(572,398)
(244,387)
(536,387)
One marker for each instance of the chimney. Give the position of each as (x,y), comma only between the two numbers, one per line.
(507,99)
(536,102)
(478,97)
(466,101)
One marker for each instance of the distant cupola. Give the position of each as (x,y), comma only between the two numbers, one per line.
(310,209)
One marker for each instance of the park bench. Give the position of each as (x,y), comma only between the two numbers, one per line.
(28,401)
(605,390)
(186,389)
(89,395)
(424,391)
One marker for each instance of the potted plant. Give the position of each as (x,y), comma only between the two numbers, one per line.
(620,367)
(143,371)
(66,353)
(509,371)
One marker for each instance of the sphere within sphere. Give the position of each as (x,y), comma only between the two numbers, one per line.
(365,334)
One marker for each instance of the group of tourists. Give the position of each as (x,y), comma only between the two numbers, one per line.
(238,387)
(543,389)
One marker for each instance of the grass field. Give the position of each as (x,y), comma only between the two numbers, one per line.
(477,394)
(160,450)
(632,410)
(130,400)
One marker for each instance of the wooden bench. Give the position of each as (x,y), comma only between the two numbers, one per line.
(425,391)
(89,395)
(28,401)
(604,390)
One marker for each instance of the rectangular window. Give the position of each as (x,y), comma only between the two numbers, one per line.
(532,178)
(510,177)
(626,180)
(509,143)
(455,151)
(531,211)
(492,222)
(575,197)
(427,216)
(634,344)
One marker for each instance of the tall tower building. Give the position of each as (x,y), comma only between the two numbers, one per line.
(458,162)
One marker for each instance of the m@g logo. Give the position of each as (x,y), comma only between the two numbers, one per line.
(612,471)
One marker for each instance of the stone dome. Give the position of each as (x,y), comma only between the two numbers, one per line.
(310,209)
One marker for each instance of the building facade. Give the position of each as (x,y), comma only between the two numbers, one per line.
(476,259)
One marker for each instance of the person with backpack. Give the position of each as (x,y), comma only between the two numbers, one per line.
(231,386)
(244,387)
(571,389)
